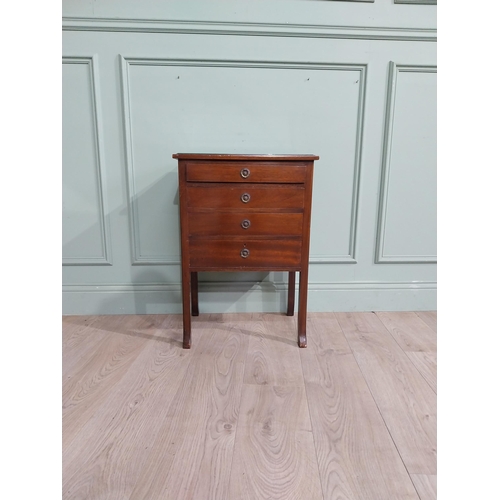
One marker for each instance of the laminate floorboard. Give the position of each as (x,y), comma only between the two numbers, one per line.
(97,369)
(409,331)
(356,455)
(425,485)
(74,330)
(273,358)
(80,339)
(426,364)
(405,400)
(192,455)
(429,317)
(107,455)
(245,413)
(274,454)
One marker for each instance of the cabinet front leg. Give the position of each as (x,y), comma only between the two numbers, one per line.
(186,310)
(302,319)
(194,294)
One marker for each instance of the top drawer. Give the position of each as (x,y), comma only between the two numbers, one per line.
(278,172)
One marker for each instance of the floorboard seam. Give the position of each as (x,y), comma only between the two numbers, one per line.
(312,432)
(406,353)
(238,419)
(376,404)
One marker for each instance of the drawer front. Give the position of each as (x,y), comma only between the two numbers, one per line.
(241,254)
(246,172)
(246,197)
(243,224)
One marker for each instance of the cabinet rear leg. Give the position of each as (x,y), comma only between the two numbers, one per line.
(194,294)
(291,293)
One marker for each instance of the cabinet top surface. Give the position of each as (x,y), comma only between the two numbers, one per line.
(232,157)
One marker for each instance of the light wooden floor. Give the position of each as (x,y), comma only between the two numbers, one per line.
(246,414)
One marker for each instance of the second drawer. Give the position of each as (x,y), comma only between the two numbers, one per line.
(246,196)
(244,224)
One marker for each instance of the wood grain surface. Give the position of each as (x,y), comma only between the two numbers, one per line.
(426,364)
(430,318)
(88,382)
(75,333)
(106,457)
(244,224)
(409,331)
(356,455)
(228,196)
(245,414)
(272,357)
(216,171)
(274,453)
(192,455)
(238,157)
(262,253)
(79,340)
(426,486)
(405,400)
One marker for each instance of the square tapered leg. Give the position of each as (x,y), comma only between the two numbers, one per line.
(194,294)
(302,319)
(186,309)
(291,293)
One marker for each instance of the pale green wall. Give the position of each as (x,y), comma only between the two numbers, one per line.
(354,82)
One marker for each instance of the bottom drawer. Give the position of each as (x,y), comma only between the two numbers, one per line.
(240,254)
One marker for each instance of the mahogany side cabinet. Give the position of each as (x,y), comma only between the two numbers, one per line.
(244,213)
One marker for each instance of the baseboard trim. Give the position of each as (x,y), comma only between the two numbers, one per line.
(248,297)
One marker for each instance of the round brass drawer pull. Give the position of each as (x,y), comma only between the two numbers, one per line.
(245,253)
(245,198)
(245,172)
(245,224)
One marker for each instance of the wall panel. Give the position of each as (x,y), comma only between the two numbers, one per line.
(250,106)
(85,226)
(407,223)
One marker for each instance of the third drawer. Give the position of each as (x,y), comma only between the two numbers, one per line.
(244,224)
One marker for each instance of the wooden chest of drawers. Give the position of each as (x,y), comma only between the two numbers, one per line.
(244,213)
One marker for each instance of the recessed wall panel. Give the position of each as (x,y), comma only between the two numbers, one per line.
(241,107)
(83,224)
(407,226)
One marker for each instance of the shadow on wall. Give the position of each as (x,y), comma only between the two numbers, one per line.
(155,288)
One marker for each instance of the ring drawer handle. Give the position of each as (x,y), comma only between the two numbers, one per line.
(245,198)
(245,172)
(245,224)
(245,253)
